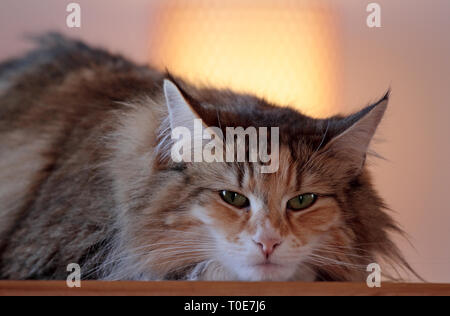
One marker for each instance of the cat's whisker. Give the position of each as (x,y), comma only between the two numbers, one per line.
(180,243)
(329,261)
(179,257)
(346,254)
(131,256)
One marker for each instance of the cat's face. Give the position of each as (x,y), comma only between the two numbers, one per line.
(229,220)
(265,226)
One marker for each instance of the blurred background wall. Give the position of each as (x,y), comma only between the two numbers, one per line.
(318,56)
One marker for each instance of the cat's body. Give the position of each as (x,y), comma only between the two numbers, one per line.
(84,179)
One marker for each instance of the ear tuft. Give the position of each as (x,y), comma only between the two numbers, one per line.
(181,114)
(351,144)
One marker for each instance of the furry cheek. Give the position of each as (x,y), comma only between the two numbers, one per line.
(314,223)
(222,220)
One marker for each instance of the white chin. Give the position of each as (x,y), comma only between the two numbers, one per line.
(266,272)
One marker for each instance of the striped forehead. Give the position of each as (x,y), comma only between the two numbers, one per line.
(269,186)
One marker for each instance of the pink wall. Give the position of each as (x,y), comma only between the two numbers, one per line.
(121,26)
(410,53)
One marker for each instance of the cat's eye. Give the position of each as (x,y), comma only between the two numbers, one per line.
(235,199)
(302,202)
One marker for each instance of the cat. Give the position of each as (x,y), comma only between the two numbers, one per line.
(86,177)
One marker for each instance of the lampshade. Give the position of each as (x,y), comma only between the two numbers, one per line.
(285,51)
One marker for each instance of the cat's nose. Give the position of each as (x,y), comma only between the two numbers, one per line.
(267,245)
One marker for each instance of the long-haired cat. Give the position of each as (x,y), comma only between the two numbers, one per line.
(86,178)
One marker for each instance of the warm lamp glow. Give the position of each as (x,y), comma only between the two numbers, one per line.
(285,51)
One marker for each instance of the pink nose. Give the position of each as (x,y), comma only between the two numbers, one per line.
(267,245)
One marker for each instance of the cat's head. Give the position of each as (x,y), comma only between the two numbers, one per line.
(316,216)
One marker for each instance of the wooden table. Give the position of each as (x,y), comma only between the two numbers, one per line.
(217,288)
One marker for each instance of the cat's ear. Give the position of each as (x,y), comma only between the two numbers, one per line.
(181,113)
(188,129)
(355,134)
